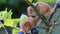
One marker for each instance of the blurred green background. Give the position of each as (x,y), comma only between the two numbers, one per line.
(19,7)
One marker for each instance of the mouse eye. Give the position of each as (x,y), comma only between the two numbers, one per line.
(33,16)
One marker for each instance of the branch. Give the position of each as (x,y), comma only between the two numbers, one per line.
(56,24)
(50,29)
(54,9)
(58,17)
(41,27)
(4,27)
(15,28)
(37,12)
(56,21)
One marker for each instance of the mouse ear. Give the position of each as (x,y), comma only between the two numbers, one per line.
(49,11)
(26,26)
(29,10)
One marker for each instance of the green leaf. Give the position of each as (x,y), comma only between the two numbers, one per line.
(2,14)
(3,1)
(9,22)
(48,1)
(0,25)
(8,15)
(16,21)
(14,3)
(15,31)
(30,0)
(5,14)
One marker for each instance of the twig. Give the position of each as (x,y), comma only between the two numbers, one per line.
(50,29)
(16,28)
(55,24)
(58,17)
(56,21)
(54,9)
(4,28)
(41,27)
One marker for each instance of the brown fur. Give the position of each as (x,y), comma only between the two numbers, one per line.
(29,24)
(42,7)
